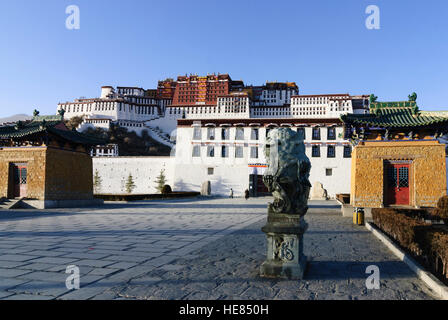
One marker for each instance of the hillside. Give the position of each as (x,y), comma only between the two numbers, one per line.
(129,143)
(15,118)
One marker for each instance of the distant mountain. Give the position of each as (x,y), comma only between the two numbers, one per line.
(15,118)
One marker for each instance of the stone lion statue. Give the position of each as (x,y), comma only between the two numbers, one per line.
(288,172)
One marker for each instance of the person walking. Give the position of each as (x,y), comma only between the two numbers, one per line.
(231,193)
(246,194)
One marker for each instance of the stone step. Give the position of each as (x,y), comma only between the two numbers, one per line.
(8,204)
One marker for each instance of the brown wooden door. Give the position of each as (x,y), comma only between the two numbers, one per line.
(397,189)
(20,178)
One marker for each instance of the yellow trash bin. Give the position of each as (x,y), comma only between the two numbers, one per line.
(358,216)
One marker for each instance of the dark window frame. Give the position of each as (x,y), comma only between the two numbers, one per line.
(329,154)
(349,153)
(210,151)
(225,154)
(316,134)
(315,154)
(331,136)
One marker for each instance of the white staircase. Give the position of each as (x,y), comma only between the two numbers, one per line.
(160,136)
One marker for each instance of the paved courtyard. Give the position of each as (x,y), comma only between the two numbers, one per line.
(188,249)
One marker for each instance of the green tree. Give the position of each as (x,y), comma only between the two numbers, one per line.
(130,185)
(96,182)
(74,122)
(161,180)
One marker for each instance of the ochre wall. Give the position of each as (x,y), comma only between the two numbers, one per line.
(53,174)
(427,175)
(35,157)
(69,175)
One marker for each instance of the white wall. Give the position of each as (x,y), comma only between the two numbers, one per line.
(114,173)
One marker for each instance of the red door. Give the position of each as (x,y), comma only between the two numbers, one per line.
(20,172)
(398,184)
(261,187)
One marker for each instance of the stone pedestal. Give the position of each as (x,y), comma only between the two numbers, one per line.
(285,258)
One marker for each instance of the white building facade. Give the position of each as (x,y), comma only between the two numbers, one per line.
(229,154)
(223,142)
(128,107)
(276,94)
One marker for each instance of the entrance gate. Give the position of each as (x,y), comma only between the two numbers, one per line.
(397,188)
(19,179)
(257,187)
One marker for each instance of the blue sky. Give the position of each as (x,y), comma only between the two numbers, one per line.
(323,45)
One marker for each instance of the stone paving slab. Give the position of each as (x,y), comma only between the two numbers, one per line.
(338,253)
(111,245)
(9,283)
(188,249)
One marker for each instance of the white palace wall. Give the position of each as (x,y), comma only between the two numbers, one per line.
(114,173)
(232,172)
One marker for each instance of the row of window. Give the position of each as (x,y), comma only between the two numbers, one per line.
(225,150)
(311,100)
(110,107)
(225,133)
(239,151)
(254,133)
(331,151)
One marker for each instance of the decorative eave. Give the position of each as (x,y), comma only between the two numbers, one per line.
(46,126)
(391,120)
(265,121)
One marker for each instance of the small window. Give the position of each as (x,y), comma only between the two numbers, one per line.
(328,172)
(197,133)
(239,134)
(301,131)
(225,134)
(267,131)
(211,133)
(316,133)
(238,151)
(254,134)
(331,133)
(210,151)
(197,151)
(210,171)
(347,151)
(254,152)
(225,151)
(331,151)
(315,151)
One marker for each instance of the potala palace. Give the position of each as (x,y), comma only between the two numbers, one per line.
(216,128)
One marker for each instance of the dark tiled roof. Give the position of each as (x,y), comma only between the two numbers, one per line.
(76,137)
(49,124)
(23,129)
(393,118)
(393,104)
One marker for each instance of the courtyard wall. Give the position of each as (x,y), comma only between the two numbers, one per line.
(68,175)
(427,178)
(114,173)
(35,158)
